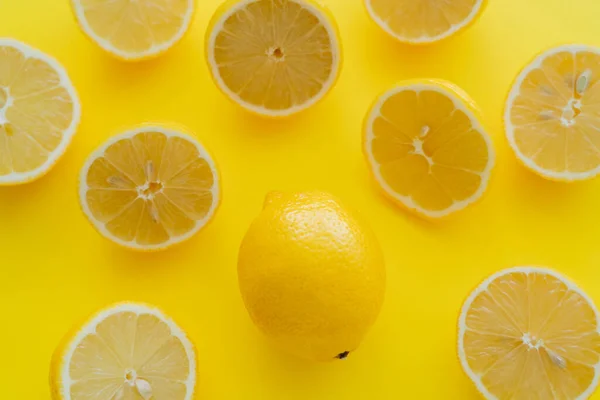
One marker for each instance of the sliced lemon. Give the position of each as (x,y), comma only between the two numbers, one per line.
(552,115)
(39,112)
(126,352)
(149,188)
(426,147)
(274,58)
(424,21)
(529,333)
(134,29)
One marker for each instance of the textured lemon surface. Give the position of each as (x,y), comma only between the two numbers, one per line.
(311,275)
(274,58)
(39,112)
(149,188)
(125,352)
(134,29)
(424,21)
(427,148)
(552,116)
(529,333)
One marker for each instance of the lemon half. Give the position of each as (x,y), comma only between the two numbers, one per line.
(150,188)
(528,333)
(424,21)
(39,112)
(274,58)
(134,29)
(427,148)
(126,352)
(552,114)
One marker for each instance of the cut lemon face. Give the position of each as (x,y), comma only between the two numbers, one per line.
(39,112)
(424,21)
(529,333)
(127,352)
(552,115)
(149,188)
(427,149)
(134,29)
(274,57)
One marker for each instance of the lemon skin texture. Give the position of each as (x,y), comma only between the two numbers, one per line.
(311,275)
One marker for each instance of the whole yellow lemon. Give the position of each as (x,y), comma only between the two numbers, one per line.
(311,275)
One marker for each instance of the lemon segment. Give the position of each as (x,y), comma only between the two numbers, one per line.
(552,116)
(274,58)
(424,21)
(39,112)
(134,29)
(127,352)
(427,149)
(530,333)
(150,188)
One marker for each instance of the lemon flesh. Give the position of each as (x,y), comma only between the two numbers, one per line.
(39,112)
(530,333)
(127,352)
(273,57)
(311,275)
(149,188)
(553,114)
(427,148)
(423,21)
(134,29)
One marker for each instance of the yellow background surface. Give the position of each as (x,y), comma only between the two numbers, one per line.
(55,269)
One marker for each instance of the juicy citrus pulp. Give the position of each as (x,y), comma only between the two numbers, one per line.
(311,275)
(552,116)
(149,188)
(423,21)
(127,352)
(134,29)
(273,57)
(529,333)
(39,112)
(427,148)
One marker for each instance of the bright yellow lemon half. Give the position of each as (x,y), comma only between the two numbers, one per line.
(126,352)
(134,29)
(552,115)
(150,188)
(427,148)
(274,58)
(39,112)
(424,21)
(529,333)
